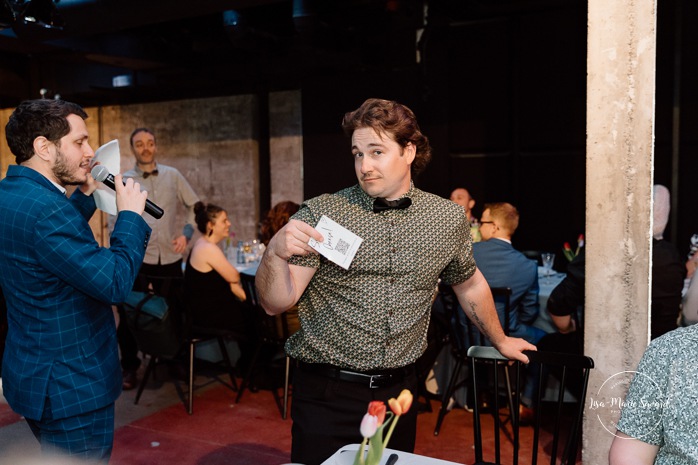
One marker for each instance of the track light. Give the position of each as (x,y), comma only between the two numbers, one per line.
(42,13)
(7,14)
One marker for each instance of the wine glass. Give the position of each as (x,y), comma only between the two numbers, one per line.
(547,258)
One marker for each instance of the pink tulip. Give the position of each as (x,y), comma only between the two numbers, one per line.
(369,425)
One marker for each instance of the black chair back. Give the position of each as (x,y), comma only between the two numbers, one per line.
(154,336)
(272,331)
(568,366)
(183,305)
(463,335)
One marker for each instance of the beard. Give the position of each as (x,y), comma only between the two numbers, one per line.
(66,174)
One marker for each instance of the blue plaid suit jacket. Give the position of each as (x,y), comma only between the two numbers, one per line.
(59,286)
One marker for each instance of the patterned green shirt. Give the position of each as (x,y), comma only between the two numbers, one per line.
(661,407)
(375,314)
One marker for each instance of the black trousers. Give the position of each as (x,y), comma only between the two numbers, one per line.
(327,415)
(127,343)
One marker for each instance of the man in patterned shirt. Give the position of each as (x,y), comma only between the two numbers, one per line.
(363,328)
(659,415)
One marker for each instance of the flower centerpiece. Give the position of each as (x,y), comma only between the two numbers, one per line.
(374,423)
(567,249)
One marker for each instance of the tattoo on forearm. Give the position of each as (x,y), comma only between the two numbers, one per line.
(475,318)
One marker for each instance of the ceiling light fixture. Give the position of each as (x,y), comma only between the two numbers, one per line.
(7,14)
(42,13)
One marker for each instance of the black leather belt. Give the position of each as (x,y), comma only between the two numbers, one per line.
(373,380)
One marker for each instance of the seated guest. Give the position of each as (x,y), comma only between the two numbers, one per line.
(276,219)
(668,270)
(212,284)
(566,306)
(462,197)
(504,266)
(689,304)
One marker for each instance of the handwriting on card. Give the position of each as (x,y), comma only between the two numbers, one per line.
(339,244)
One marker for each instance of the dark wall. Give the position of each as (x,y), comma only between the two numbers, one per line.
(677,73)
(503,101)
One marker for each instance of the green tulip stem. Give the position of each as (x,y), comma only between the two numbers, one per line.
(390,430)
(359,459)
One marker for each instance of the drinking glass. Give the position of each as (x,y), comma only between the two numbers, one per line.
(547,258)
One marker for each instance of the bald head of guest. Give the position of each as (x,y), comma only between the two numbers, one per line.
(462,197)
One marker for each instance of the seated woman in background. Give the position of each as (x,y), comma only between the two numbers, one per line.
(213,287)
(276,219)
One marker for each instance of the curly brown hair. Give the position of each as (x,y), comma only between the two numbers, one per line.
(395,120)
(276,218)
(34,118)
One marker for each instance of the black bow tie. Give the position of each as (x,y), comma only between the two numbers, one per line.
(381,204)
(146,174)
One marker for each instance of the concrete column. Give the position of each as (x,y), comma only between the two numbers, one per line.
(620,128)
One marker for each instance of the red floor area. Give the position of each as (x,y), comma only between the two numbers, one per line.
(7,416)
(252,432)
(219,432)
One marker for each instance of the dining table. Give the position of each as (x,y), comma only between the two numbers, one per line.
(345,456)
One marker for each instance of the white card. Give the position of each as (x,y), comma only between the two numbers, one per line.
(109,156)
(340,244)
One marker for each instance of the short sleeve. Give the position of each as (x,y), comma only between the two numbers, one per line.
(641,416)
(462,266)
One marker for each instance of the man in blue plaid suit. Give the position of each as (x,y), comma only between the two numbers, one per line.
(61,366)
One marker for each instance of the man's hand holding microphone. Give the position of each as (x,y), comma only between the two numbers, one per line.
(128,194)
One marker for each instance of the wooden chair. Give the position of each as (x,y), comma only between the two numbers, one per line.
(461,340)
(272,331)
(568,366)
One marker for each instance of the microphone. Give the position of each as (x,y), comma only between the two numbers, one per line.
(101,173)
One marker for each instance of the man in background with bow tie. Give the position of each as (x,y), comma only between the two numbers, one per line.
(167,187)
(363,328)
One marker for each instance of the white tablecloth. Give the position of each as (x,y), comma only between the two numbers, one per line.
(247,268)
(546,288)
(345,456)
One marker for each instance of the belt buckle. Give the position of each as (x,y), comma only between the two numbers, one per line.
(374,381)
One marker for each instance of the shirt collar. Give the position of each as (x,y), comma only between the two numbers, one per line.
(59,187)
(502,239)
(140,172)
